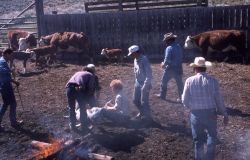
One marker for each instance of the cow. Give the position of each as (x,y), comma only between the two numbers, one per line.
(218,40)
(113,53)
(28,40)
(67,42)
(22,56)
(45,51)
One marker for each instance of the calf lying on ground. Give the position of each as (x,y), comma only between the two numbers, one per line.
(49,51)
(113,53)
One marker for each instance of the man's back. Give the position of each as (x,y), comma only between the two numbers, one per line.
(202,91)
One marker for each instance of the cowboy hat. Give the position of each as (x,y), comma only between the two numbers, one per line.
(200,62)
(132,49)
(169,36)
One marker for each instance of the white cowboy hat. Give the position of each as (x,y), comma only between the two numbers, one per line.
(168,36)
(91,67)
(132,49)
(200,62)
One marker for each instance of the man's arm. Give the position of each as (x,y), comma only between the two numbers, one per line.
(186,95)
(168,57)
(220,102)
(148,72)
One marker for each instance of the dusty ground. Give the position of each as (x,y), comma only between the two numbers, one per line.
(44,105)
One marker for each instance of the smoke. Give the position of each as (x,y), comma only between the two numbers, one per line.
(244,141)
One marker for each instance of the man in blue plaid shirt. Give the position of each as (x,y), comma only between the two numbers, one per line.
(201,95)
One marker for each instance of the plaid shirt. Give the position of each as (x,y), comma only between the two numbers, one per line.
(201,91)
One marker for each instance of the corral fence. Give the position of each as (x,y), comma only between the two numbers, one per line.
(125,5)
(17,22)
(147,27)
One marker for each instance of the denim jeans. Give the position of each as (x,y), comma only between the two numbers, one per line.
(168,75)
(141,98)
(73,95)
(204,130)
(8,100)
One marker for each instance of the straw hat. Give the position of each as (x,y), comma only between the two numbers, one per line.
(133,49)
(169,36)
(200,62)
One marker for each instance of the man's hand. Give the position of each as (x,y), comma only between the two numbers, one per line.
(225,120)
(162,65)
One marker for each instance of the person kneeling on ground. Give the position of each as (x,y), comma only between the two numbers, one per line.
(117,112)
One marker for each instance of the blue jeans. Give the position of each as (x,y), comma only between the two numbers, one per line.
(141,98)
(8,100)
(202,120)
(168,75)
(73,95)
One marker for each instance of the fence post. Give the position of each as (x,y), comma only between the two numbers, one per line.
(120,5)
(39,15)
(86,7)
(136,5)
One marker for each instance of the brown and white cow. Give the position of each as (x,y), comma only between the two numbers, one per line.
(113,53)
(21,40)
(67,42)
(45,51)
(218,40)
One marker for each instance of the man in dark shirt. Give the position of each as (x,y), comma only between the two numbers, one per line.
(93,102)
(79,88)
(6,89)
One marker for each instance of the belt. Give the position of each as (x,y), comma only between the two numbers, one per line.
(204,110)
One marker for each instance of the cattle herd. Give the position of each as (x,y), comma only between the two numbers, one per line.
(25,45)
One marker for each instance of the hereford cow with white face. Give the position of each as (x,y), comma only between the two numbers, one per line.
(218,40)
(21,40)
(67,42)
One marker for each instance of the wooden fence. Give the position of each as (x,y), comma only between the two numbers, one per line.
(147,27)
(122,5)
(18,22)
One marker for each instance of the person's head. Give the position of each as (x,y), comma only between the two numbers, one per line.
(169,38)
(116,85)
(134,51)
(200,64)
(7,54)
(89,68)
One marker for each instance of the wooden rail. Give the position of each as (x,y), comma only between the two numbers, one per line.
(27,8)
(17,23)
(120,5)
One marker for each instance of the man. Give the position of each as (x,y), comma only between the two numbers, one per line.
(79,88)
(201,95)
(172,65)
(6,90)
(94,99)
(143,76)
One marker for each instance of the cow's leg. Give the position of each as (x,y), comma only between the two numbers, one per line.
(242,52)
(24,66)
(205,53)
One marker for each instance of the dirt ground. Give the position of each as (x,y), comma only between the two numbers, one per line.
(166,138)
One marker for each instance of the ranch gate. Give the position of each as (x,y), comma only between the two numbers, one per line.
(146,28)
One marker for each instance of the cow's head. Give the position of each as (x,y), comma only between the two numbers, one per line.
(31,40)
(23,45)
(44,41)
(104,51)
(189,43)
